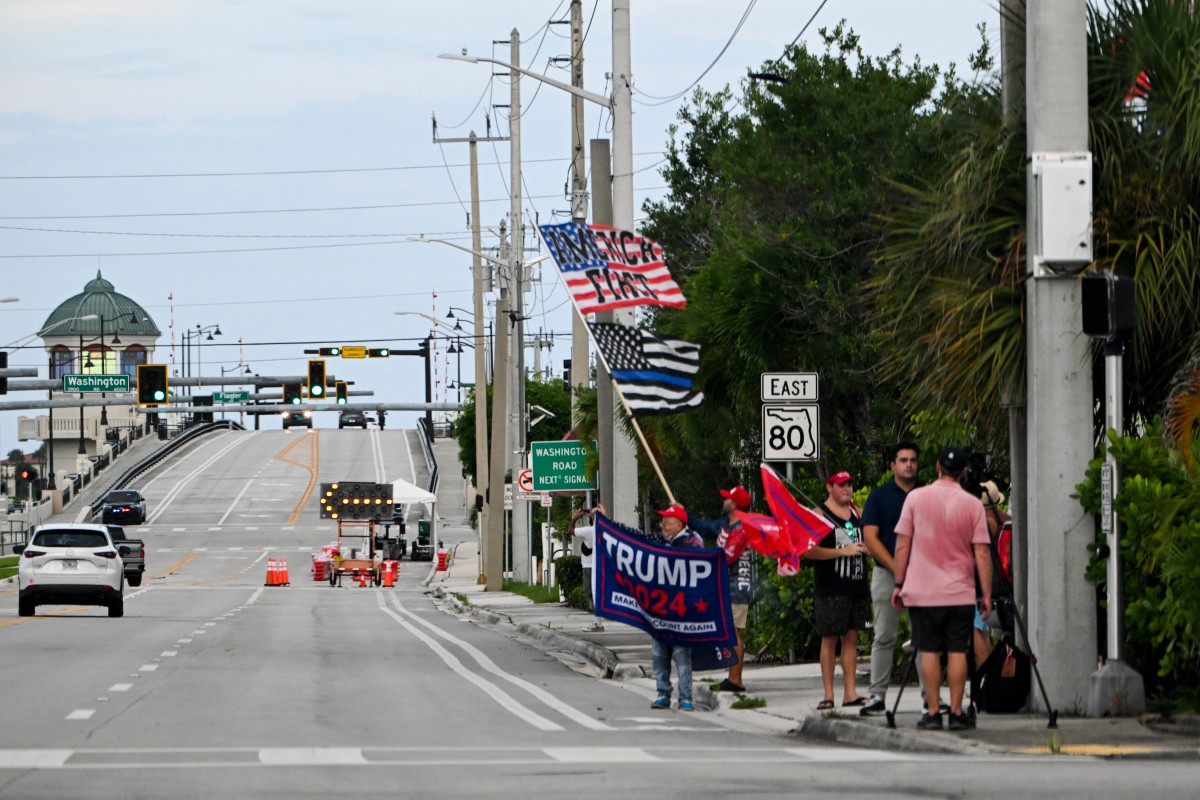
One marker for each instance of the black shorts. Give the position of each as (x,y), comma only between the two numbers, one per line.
(834,616)
(941,629)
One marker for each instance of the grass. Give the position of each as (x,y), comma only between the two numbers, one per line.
(538,594)
(748,702)
(462,598)
(8,566)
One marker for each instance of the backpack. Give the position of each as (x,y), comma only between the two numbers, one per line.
(1004,679)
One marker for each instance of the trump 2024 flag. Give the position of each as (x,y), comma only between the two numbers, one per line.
(653,374)
(606,268)
(679,595)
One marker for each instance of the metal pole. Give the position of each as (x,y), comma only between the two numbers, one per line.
(492,560)
(1114,420)
(82,449)
(103,371)
(521,517)
(579,199)
(498,462)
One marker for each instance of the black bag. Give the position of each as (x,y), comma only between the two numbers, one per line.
(1004,679)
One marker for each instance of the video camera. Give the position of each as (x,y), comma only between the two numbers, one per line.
(976,473)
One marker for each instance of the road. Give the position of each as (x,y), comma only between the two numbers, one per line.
(216,685)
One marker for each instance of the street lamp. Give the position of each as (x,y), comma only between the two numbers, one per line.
(225,372)
(194,336)
(133,320)
(50,392)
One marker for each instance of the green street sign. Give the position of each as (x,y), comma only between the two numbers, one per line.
(558,466)
(96,383)
(231,397)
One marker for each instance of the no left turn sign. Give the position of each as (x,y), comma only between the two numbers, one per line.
(525,480)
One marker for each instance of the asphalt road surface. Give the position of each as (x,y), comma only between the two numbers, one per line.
(214,685)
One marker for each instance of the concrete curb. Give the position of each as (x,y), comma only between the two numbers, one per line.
(873,736)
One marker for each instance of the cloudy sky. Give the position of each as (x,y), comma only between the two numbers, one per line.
(262,162)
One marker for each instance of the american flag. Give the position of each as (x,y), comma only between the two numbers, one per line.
(653,374)
(606,268)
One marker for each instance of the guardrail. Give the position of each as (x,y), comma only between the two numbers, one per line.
(183,439)
(427,435)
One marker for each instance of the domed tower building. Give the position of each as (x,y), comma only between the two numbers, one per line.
(97,332)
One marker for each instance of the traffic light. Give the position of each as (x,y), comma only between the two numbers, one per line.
(1109,305)
(379,352)
(328,351)
(151,384)
(3,365)
(316,379)
(291,394)
(27,474)
(567,374)
(343,392)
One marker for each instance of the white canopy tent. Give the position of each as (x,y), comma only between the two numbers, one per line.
(405,492)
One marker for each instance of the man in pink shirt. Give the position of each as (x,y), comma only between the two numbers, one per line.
(941,542)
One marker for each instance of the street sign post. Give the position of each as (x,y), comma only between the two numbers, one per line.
(791,432)
(559,466)
(231,397)
(96,383)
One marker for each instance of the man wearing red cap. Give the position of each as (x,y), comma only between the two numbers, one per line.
(731,537)
(676,534)
(842,593)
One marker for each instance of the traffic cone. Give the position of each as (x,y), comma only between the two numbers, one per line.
(281,573)
(270,572)
(388,579)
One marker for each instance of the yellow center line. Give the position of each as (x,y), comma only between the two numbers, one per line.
(314,460)
(60,613)
(176,566)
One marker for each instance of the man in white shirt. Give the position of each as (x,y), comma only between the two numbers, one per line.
(586,534)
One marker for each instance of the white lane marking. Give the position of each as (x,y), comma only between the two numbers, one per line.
(33,759)
(377,456)
(489,665)
(233,549)
(311,756)
(147,667)
(182,483)
(501,697)
(169,653)
(178,530)
(252,529)
(120,687)
(599,755)
(81,713)
(236,500)
(183,641)
(210,624)
(198,632)
(215,529)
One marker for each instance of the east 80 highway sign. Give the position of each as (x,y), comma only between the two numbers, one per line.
(791,432)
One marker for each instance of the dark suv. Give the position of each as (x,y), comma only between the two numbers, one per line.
(124,506)
(297,419)
(352,419)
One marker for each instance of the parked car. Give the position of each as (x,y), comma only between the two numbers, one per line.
(70,564)
(294,419)
(135,560)
(352,419)
(124,506)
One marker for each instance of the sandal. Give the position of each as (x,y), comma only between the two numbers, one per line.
(825,705)
(858,701)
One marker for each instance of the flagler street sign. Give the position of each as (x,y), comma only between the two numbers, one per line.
(95,383)
(791,432)
(231,397)
(559,466)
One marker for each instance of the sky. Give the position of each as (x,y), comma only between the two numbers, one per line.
(262,165)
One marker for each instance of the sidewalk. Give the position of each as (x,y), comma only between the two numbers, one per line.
(792,692)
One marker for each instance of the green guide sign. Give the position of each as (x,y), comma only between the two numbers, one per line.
(96,383)
(559,466)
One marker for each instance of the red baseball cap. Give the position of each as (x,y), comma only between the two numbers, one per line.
(739,496)
(839,478)
(677,511)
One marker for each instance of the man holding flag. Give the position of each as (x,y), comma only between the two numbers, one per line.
(730,536)
(676,534)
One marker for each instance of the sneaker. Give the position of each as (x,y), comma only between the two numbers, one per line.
(686,705)
(729,686)
(874,708)
(961,722)
(661,702)
(930,722)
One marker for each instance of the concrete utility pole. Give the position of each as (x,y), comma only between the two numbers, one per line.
(579,201)
(624,456)
(500,451)
(602,214)
(521,567)
(1062,604)
(491,550)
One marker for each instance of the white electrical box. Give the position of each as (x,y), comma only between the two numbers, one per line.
(1063,192)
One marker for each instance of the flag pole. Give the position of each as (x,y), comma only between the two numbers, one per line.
(641,436)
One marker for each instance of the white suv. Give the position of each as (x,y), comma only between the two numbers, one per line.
(70,564)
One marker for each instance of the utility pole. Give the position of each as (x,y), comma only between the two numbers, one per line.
(500,449)
(1062,603)
(624,461)
(521,567)
(606,429)
(579,202)
(491,547)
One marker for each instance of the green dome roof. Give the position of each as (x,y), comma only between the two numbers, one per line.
(118,312)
